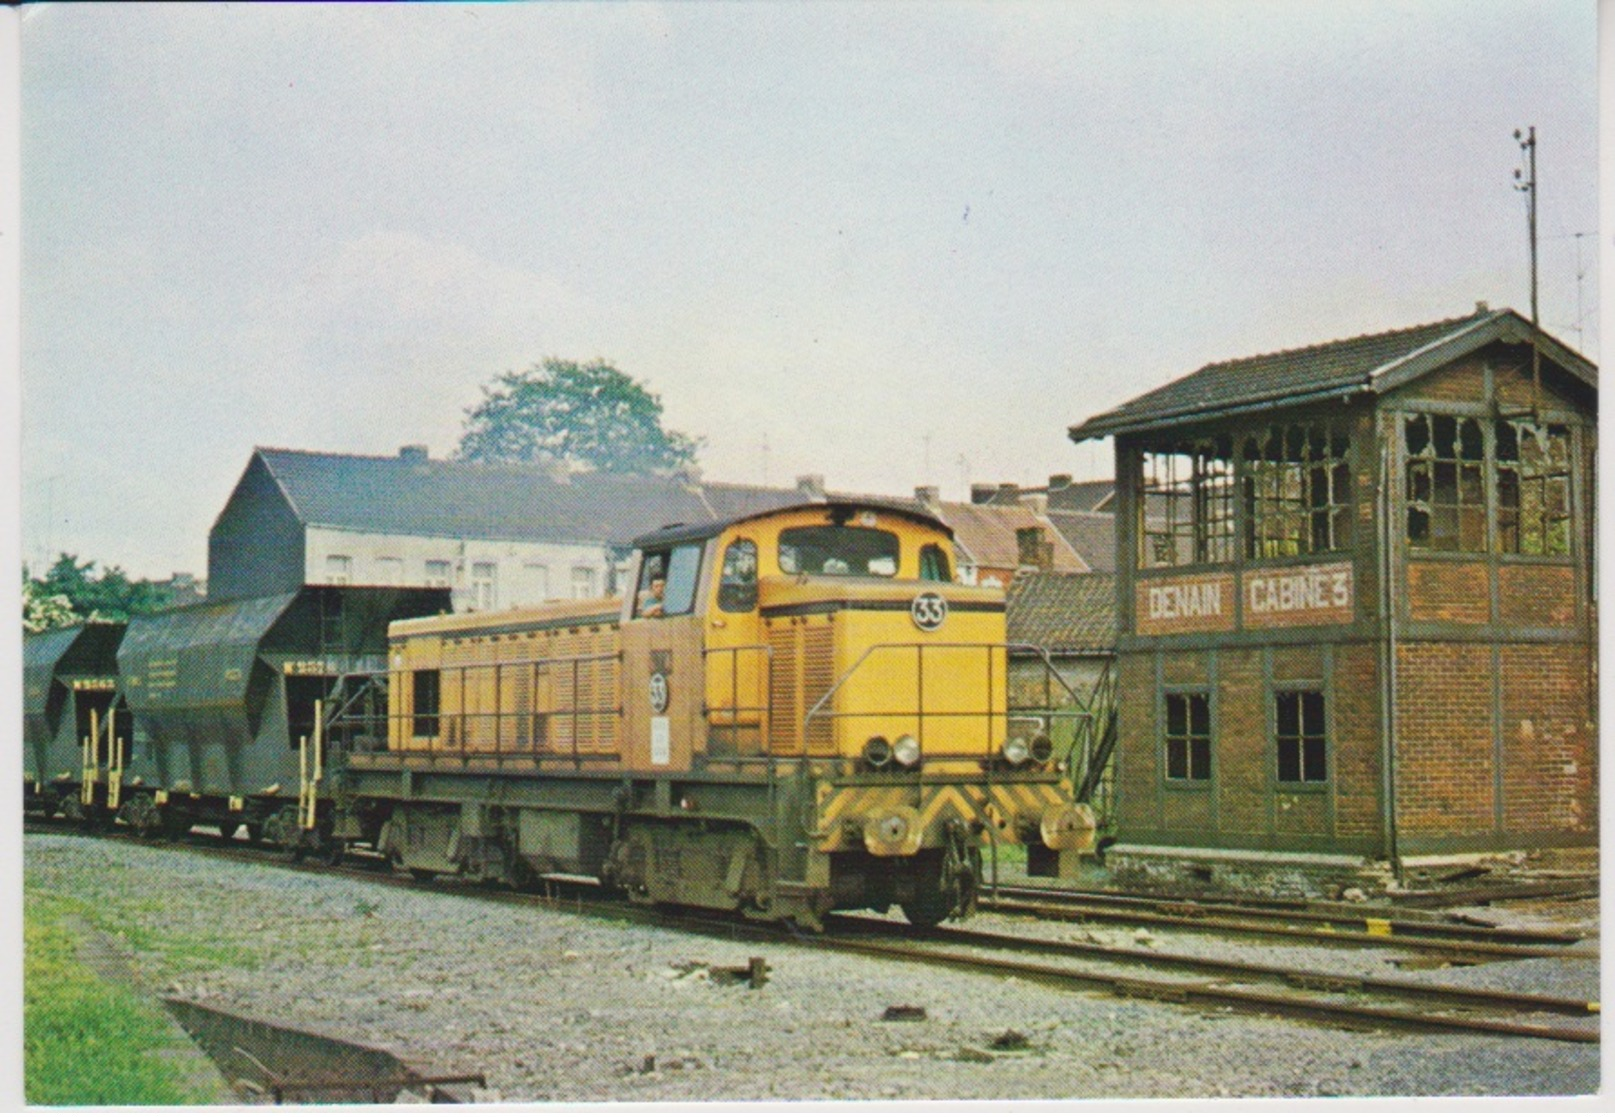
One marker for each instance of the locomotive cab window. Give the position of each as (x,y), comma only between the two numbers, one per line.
(667,581)
(737,583)
(838,549)
(934,565)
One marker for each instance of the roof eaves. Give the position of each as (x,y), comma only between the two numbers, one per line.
(261,453)
(1502,325)
(1120,424)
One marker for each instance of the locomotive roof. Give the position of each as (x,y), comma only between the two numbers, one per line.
(706,529)
(1372,363)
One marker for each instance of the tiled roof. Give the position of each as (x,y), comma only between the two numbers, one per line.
(730,500)
(1072,496)
(455,499)
(1063,612)
(1081,496)
(1373,362)
(1091,534)
(987,534)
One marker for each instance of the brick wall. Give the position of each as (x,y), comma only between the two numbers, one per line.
(1355,725)
(1444,765)
(1449,591)
(1536,594)
(1242,759)
(1550,780)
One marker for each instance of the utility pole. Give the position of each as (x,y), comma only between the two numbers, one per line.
(1527,186)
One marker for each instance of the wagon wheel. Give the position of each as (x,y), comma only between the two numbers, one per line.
(332,851)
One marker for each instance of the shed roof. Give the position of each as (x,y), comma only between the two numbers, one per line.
(1063,612)
(419,496)
(1370,363)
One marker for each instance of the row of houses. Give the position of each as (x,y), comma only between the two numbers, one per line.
(504,535)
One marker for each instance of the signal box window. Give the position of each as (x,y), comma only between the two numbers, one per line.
(1533,489)
(1302,736)
(667,582)
(1187,504)
(1188,736)
(426,698)
(1297,491)
(1446,483)
(737,583)
(838,549)
(934,566)
(439,572)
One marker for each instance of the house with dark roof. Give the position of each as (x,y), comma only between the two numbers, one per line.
(992,542)
(1356,608)
(1082,513)
(496,535)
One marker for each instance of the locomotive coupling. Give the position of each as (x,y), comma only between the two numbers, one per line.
(893,832)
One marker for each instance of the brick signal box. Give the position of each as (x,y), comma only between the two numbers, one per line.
(1357,607)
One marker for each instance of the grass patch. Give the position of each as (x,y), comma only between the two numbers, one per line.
(85,1041)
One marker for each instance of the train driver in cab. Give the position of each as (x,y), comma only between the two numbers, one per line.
(653,591)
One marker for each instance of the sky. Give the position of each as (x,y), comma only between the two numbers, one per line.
(894,244)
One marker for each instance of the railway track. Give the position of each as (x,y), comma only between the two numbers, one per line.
(1455,942)
(1335,999)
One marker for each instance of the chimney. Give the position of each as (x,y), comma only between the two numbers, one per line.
(811,485)
(1481,307)
(930,498)
(1037,502)
(983,494)
(412,455)
(1008,493)
(1058,481)
(1035,547)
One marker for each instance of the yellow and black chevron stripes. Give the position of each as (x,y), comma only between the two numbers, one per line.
(1013,810)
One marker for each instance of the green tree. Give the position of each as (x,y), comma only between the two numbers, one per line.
(42,612)
(111,596)
(583,416)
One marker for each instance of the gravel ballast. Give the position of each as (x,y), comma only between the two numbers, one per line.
(556,1006)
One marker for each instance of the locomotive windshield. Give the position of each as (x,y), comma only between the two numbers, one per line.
(667,581)
(838,549)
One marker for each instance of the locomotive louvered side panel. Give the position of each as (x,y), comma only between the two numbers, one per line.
(784,688)
(818,676)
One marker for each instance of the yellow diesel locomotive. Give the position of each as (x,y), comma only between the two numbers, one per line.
(792,712)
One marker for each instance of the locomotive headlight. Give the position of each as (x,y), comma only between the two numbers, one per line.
(1016,750)
(1042,749)
(877,752)
(906,750)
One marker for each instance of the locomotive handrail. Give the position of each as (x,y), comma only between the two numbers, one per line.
(1050,670)
(764,675)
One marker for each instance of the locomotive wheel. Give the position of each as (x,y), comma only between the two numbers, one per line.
(332,851)
(928,907)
